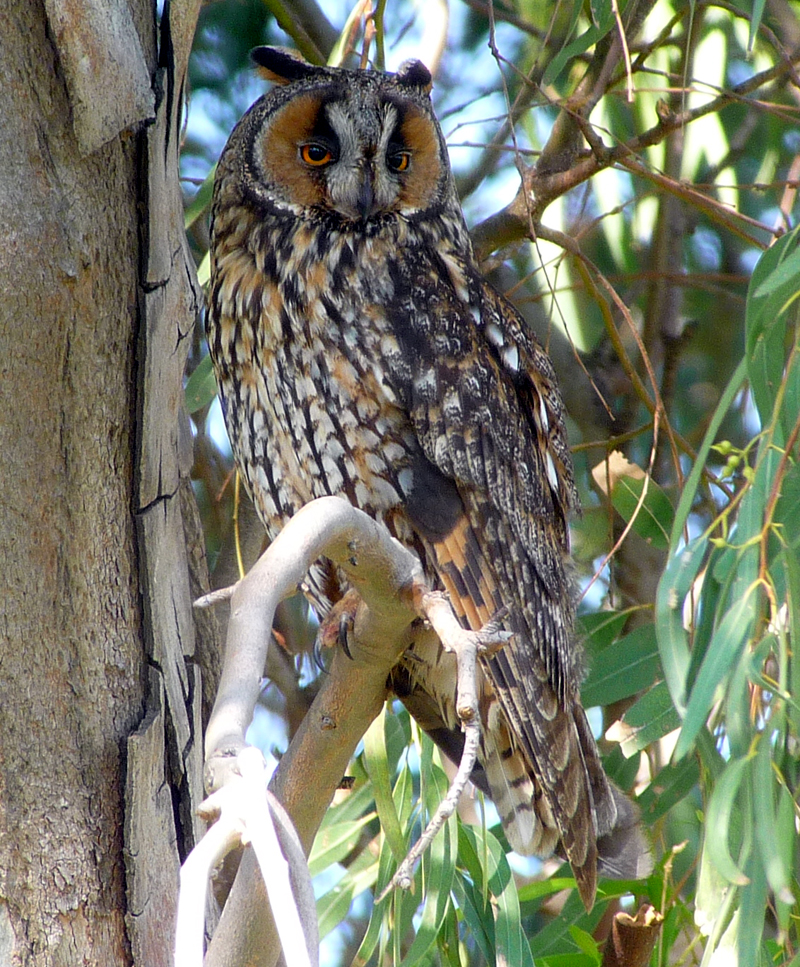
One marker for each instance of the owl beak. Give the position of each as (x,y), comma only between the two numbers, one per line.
(366,196)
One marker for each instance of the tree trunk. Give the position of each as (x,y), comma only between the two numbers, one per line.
(94,813)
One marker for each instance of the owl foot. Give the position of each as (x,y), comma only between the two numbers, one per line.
(337,626)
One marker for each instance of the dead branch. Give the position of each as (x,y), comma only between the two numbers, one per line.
(435,607)
(390,583)
(632,939)
(377,566)
(539,189)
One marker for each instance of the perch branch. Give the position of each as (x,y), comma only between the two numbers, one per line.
(246,813)
(389,581)
(376,565)
(351,694)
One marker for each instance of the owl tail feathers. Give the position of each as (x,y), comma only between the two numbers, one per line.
(527,821)
(623,852)
(606,839)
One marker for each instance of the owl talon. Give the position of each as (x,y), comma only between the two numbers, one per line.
(336,627)
(345,627)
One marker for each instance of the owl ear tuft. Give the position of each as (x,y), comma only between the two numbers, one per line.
(281,66)
(413,73)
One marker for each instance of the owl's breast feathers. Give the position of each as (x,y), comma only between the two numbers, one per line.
(378,364)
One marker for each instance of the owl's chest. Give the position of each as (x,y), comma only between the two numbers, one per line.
(309,402)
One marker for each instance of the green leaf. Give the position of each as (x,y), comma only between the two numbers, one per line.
(778,269)
(486,861)
(627,667)
(585,942)
(673,641)
(718,820)
(689,491)
(755,23)
(791,567)
(204,271)
(438,865)
(790,405)
(577,47)
(672,784)
(752,909)
(477,914)
(652,519)
(381,915)
(201,200)
(377,766)
(786,839)
(333,906)
(787,508)
(555,937)
(352,806)
(201,386)
(723,653)
(334,842)
(766,826)
(602,628)
(714,898)
(601,12)
(651,718)
(448,941)
(773,285)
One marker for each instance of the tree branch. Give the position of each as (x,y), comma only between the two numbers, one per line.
(632,939)
(539,189)
(393,595)
(350,697)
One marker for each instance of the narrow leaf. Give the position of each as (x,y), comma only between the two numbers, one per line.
(201,386)
(650,719)
(723,653)
(673,642)
(201,200)
(770,847)
(718,820)
(377,766)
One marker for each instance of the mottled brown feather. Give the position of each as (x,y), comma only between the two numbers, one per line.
(359,352)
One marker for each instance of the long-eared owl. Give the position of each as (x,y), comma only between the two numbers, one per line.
(359,352)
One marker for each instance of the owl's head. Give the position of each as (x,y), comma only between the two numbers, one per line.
(356,143)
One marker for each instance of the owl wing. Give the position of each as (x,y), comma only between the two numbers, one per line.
(483,401)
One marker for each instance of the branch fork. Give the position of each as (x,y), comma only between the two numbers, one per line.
(394,595)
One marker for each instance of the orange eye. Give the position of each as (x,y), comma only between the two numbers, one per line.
(398,160)
(316,154)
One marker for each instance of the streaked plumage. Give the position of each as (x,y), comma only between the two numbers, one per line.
(359,352)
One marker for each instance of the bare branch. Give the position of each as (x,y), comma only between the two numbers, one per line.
(350,697)
(390,582)
(377,566)
(632,938)
(540,188)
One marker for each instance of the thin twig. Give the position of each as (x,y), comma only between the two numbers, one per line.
(467,646)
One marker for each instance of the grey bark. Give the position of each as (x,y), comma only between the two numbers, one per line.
(98,704)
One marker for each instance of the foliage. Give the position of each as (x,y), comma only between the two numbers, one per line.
(677,346)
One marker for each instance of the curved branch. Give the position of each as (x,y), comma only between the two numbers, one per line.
(393,594)
(376,565)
